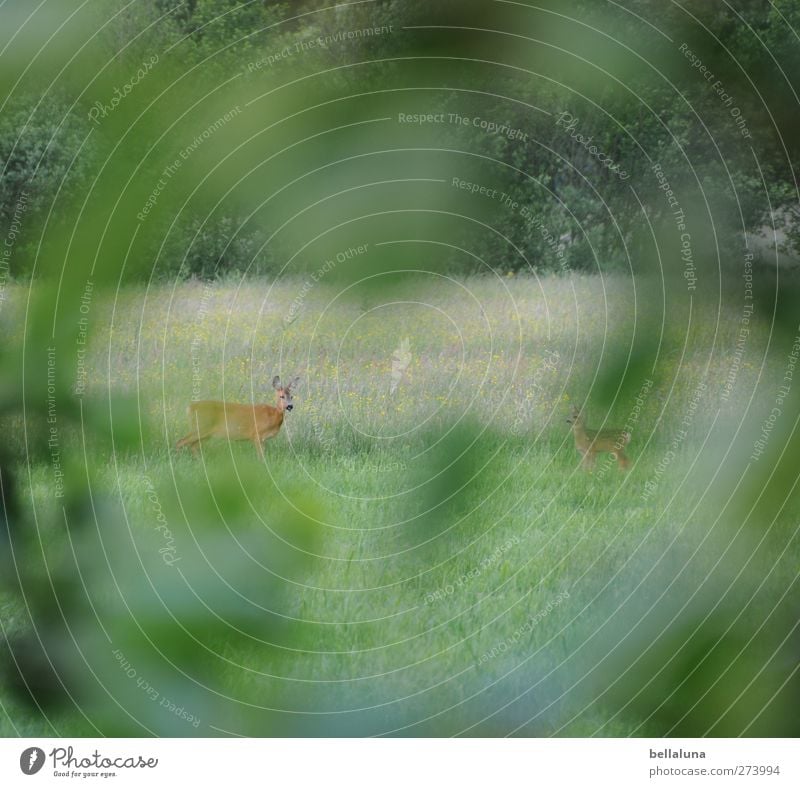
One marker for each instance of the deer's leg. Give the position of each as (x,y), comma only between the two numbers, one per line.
(257,442)
(622,460)
(189,440)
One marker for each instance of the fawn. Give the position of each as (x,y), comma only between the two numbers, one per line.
(228,421)
(590,442)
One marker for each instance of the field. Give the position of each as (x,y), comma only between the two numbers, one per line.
(420,553)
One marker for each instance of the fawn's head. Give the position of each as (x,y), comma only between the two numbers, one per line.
(284,392)
(575,416)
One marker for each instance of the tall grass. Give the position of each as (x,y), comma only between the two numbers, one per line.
(463,576)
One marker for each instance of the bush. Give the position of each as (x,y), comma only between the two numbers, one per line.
(213,249)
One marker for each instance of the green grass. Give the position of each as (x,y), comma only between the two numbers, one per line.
(440,509)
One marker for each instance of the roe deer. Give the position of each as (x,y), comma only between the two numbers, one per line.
(590,442)
(228,421)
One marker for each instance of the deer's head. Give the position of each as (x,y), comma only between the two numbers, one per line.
(575,416)
(284,392)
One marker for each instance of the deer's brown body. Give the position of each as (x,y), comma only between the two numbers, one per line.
(590,442)
(230,421)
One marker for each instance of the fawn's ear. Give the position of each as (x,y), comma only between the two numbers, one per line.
(276,382)
(294,382)
(575,411)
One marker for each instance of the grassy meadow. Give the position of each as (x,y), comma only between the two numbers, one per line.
(420,553)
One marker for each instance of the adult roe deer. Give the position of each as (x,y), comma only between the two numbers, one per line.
(590,442)
(229,421)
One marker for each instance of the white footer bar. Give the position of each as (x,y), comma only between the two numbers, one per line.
(401,762)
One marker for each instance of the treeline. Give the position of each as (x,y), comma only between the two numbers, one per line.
(570,111)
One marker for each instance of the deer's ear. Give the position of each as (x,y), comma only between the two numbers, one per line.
(276,382)
(575,411)
(294,382)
